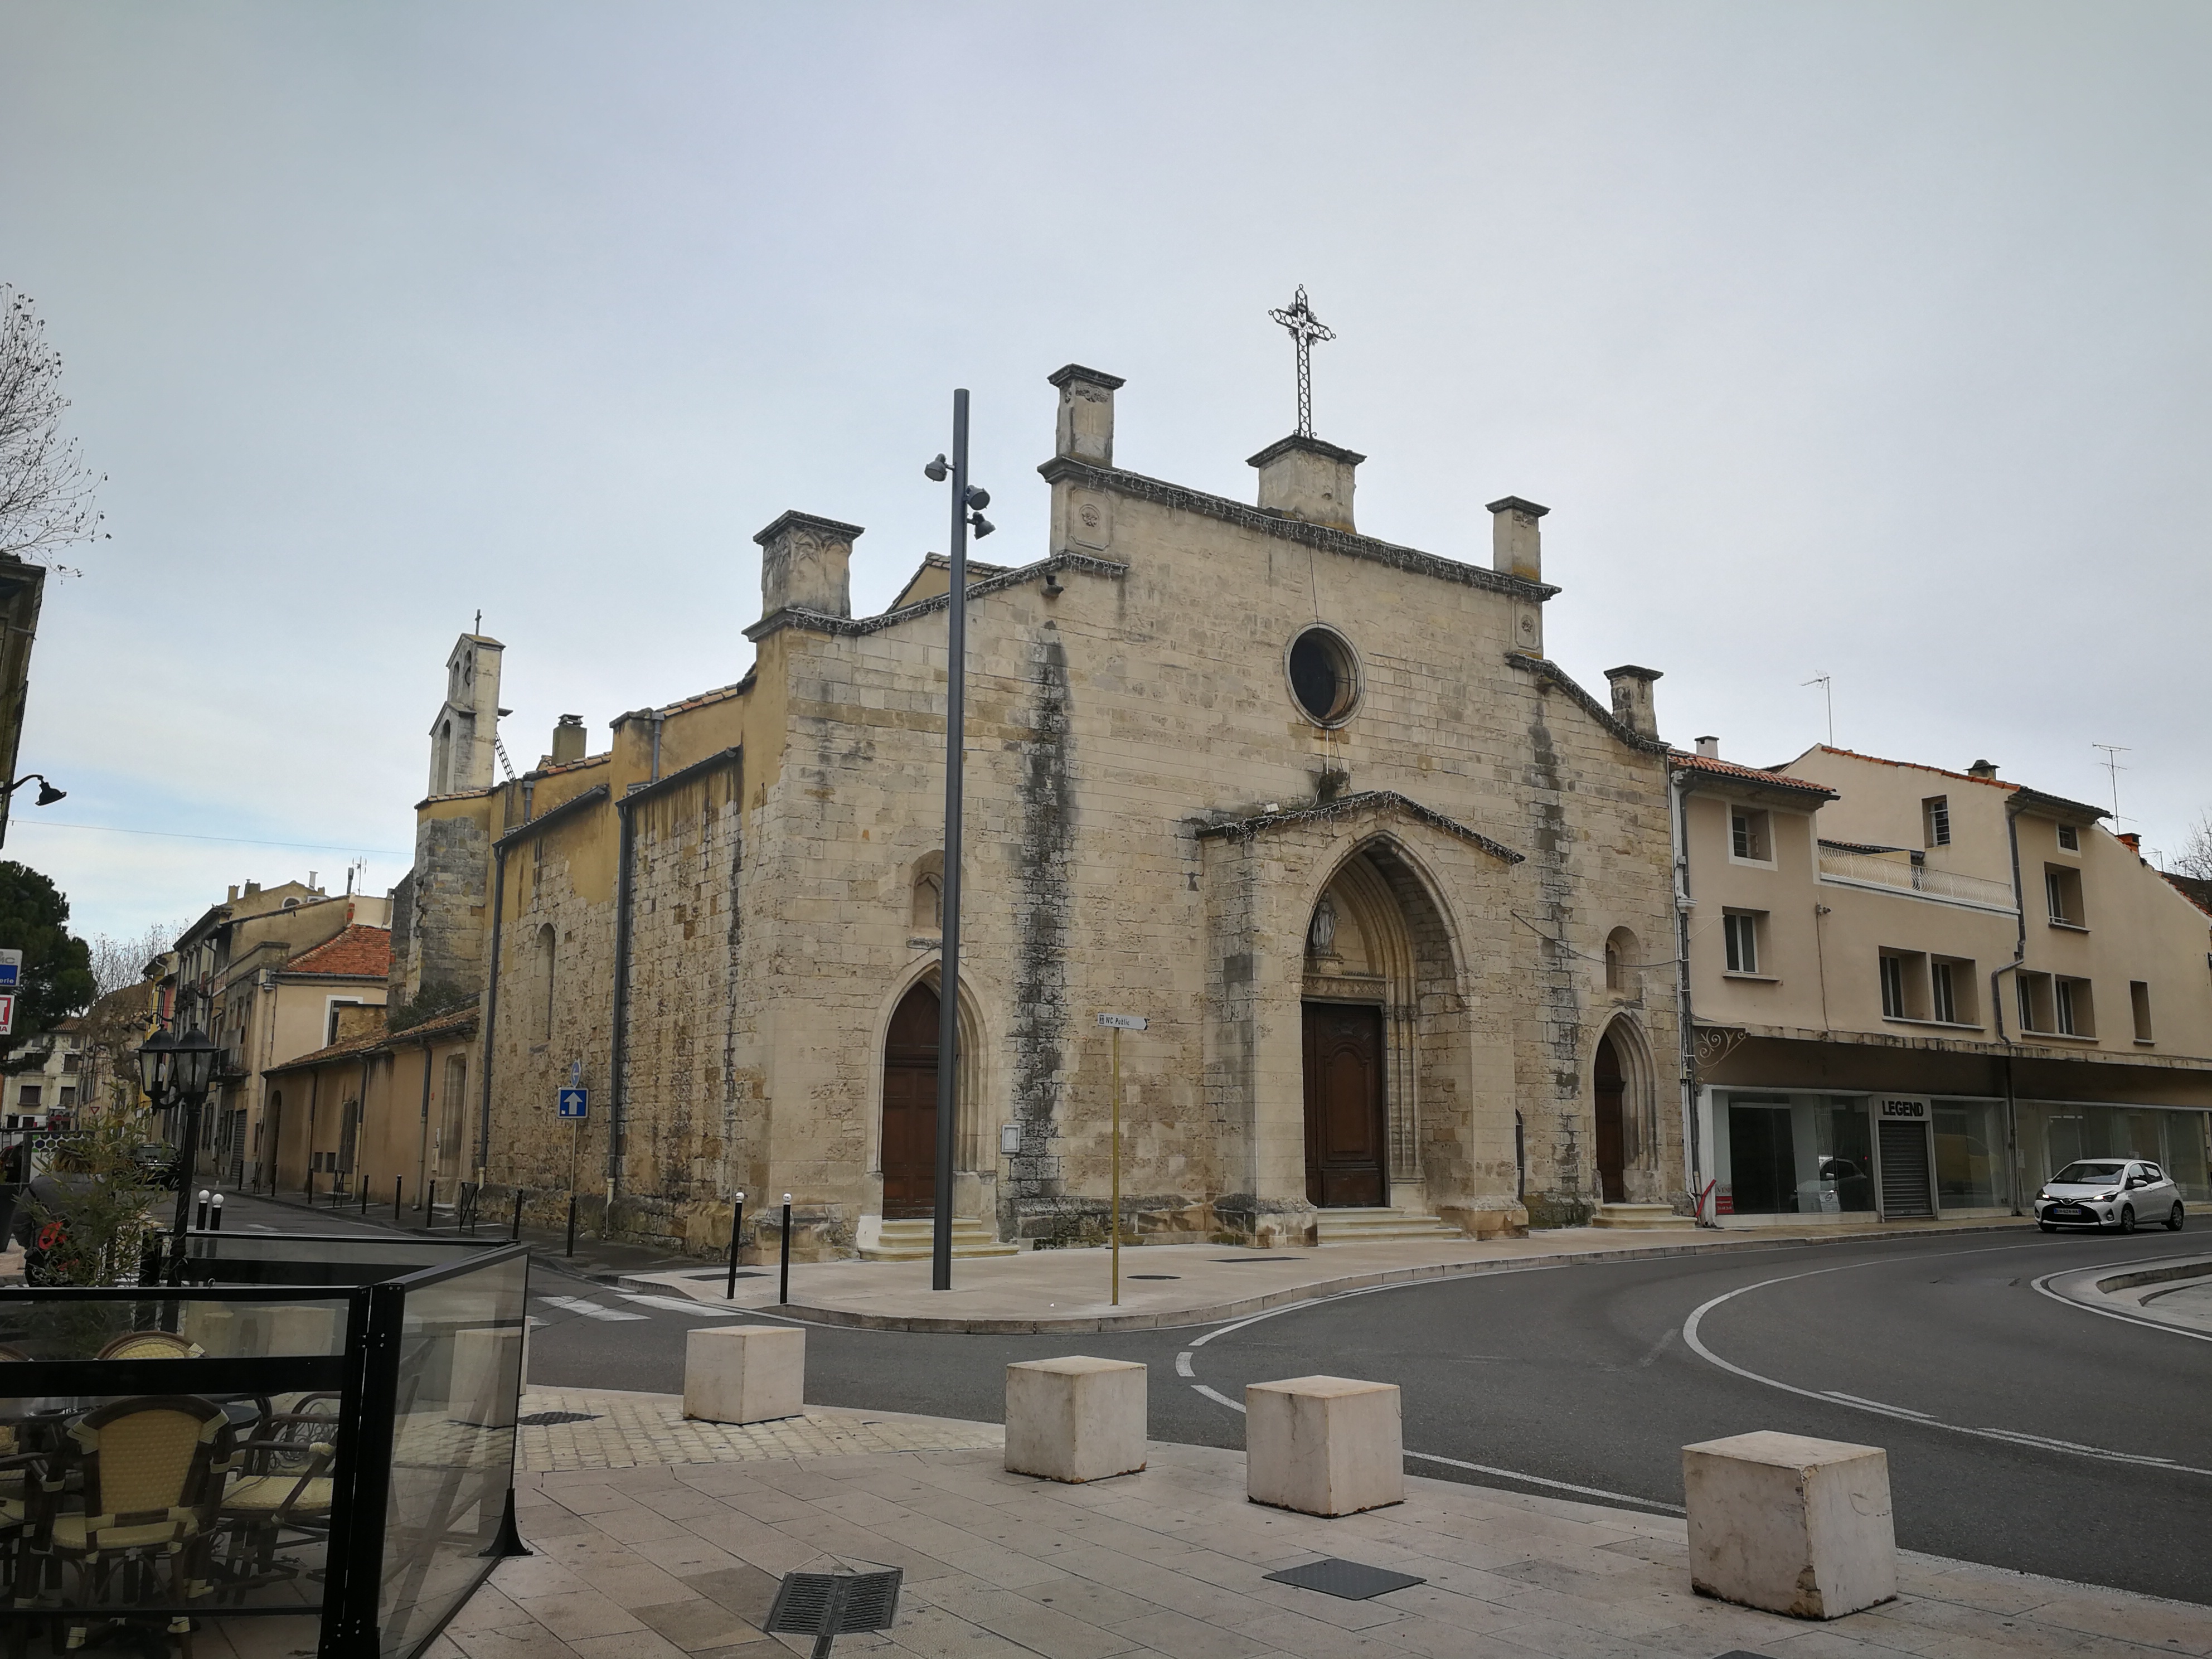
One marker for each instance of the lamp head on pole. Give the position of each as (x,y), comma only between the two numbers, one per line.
(193,1064)
(155,1055)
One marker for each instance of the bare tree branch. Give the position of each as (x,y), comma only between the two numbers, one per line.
(2195,858)
(46,493)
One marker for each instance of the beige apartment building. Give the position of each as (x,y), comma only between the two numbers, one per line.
(1918,993)
(270,974)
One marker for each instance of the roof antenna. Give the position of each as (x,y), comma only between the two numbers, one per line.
(2112,767)
(1827,685)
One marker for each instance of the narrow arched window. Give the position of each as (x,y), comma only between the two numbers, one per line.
(927,906)
(545,987)
(1623,956)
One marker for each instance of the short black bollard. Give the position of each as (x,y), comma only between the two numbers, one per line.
(150,1261)
(783,1283)
(364,1194)
(309,1187)
(572,1224)
(515,1237)
(214,1214)
(430,1204)
(737,1223)
(199,1212)
(397,1181)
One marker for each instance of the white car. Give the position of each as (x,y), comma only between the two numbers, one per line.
(2109,1192)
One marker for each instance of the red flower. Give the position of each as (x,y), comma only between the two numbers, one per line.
(51,1235)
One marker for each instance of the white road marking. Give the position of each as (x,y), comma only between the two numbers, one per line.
(2044,1286)
(1183,1364)
(1898,1413)
(587,1309)
(1560,1486)
(1218,1399)
(683,1304)
(1858,1400)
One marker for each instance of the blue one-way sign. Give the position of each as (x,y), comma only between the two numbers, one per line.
(575,1103)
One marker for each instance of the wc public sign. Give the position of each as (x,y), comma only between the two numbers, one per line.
(1123,1022)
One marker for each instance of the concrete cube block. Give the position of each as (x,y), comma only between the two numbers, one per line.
(490,1363)
(1076,1419)
(1791,1525)
(745,1373)
(1323,1445)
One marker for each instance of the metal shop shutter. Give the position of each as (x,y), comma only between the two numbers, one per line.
(1905,1186)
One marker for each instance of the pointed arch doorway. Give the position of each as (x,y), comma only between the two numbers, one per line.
(909,1144)
(1609,1089)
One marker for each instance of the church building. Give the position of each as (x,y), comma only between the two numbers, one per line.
(1393,894)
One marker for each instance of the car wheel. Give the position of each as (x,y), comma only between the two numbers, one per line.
(2127,1218)
(2173,1218)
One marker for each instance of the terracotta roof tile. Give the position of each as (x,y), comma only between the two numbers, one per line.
(1683,761)
(362,952)
(2195,888)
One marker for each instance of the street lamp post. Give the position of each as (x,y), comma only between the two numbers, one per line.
(967,503)
(176,1071)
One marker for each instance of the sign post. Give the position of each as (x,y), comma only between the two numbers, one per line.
(1118,1023)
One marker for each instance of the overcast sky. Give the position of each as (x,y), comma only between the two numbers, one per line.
(1867,340)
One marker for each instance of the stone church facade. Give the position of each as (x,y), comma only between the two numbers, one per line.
(1393,893)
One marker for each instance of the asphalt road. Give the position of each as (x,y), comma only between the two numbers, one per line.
(2022,1432)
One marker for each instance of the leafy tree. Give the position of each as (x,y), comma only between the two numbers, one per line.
(57,980)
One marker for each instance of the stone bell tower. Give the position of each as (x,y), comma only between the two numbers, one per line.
(462,759)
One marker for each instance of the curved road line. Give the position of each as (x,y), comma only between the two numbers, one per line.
(1899,1414)
(2044,1284)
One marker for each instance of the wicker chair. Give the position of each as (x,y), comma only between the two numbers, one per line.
(150,1344)
(281,1483)
(153,1469)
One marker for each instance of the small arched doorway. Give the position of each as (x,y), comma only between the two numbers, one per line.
(910,1106)
(1609,1084)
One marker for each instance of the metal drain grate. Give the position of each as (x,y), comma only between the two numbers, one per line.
(1349,1580)
(826,1604)
(547,1420)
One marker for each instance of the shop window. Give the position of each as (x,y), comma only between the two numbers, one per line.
(1750,835)
(2139,1003)
(2076,1008)
(1904,985)
(2061,896)
(1740,930)
(1794,1155)
(1970,1155)
(1936,820)
(2069,838)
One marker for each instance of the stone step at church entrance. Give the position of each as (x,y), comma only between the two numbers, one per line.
(911,1241)
(1639,1215)
(1375,1227)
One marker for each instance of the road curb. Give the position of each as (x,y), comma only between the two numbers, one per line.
(1167,1319)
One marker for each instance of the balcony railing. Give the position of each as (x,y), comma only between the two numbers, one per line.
(1874,870)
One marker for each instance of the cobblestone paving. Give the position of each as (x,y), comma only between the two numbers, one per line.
(639,1430)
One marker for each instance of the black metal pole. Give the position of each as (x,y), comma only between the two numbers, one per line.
(430,1204)
(397,1181)
(783,1281)
(572,1224)
(188,1153)
(515,1237)
(737,1222)
(364,1194)
(955,734)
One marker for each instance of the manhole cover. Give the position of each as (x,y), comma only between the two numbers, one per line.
(547,1420)
(1348,1579)
(823,1605)
(1153,1275)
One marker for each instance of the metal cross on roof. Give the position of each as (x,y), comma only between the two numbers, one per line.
(1305,329)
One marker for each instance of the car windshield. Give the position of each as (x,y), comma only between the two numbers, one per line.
(2084,1175)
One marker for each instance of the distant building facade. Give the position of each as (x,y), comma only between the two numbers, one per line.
(1919,993)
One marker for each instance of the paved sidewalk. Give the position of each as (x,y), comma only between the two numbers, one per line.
(1168,1285)
(622,1431)
(680,1560)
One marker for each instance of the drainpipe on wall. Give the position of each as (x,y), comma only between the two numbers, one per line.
(618,1043)
(1996,1002)
(1678,836)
